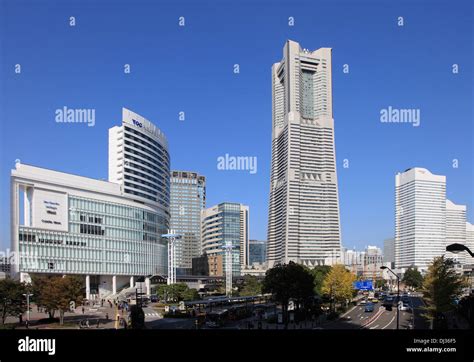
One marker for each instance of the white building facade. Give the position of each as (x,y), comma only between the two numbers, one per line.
(420,218)
(303,223)
(108,232)
(455,228)
(68,224)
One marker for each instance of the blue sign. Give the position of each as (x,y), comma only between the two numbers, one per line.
(363,285)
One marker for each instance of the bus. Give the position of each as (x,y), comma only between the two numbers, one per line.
(217,318)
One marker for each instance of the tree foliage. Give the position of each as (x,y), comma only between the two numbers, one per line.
(12,300)
(319,274)
(441,285)
(289,281)
(177,292)
(251,286)
(413,278)
(57,292)
(338,284)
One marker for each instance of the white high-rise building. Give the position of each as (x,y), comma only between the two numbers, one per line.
(304,207)
(139,160)
(455,227)
(420,218)
(468,259)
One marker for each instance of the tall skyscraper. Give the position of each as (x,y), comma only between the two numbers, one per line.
(188,199)
(303,223)
(226,224)
(420,218)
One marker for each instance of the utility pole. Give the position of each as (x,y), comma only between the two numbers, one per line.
(171,237)
(28,295)
(228,267)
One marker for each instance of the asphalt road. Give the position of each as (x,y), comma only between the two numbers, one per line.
(380,318)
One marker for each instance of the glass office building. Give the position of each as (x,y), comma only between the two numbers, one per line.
(226,224)
(257,252)
(188,199)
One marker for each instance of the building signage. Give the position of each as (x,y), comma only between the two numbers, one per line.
(50,210)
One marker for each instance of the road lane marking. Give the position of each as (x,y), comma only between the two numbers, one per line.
(373,318)
(389,323)
(375,327)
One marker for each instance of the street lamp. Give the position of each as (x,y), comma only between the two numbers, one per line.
(383,267)
(28,295)
(456,248)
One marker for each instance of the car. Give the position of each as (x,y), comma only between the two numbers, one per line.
(404,306)
(388,302)
(369,307)
(375,300)
(363,302)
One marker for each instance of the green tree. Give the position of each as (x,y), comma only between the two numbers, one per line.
(441,285)
(338,284)
(288,281)
(55,293)
(413,278)
(319,274)
(251,286)
(177,292)
(380,284)
(12,300)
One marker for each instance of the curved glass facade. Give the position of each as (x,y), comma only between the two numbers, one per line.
(103,238)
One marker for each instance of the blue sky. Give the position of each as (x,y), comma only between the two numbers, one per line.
(190,69)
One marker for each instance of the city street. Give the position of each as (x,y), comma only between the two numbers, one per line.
(380,318)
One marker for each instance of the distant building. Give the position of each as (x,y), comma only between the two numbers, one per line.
(188,199)
(373,260)
(389,251)
(469,260)
(200,265)
(426,222)
(5,265)
(257,252)
(222,225)
(455,228)
(208,265)
(365,264)
(420,218)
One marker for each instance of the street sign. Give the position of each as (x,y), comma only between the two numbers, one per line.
(363,285)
